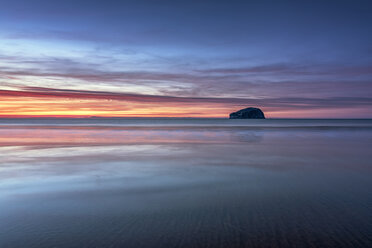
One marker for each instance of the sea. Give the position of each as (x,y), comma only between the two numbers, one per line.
(185,182)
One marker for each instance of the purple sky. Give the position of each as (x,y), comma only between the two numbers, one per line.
(186,58)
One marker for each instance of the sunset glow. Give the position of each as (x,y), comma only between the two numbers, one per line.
(185,123)
(80,62)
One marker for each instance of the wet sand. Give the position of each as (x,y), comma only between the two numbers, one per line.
(183,185)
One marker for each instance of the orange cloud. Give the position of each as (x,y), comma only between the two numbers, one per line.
(37,101)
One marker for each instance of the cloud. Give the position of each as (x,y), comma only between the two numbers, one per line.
(274,87)
(95,75)
(295,69)
(283,102)
(261,81)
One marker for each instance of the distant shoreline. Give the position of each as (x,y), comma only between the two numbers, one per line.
(175,118)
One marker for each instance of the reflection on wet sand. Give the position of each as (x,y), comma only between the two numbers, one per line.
(101,136)
(184,187)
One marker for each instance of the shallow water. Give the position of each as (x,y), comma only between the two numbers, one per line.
(185,183)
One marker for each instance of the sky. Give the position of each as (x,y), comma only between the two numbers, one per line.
(292,59)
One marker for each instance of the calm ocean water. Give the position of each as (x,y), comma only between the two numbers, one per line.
(114,182)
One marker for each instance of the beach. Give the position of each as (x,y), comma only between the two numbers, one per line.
(185,182)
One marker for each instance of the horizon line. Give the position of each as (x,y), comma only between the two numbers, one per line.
(167,117)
